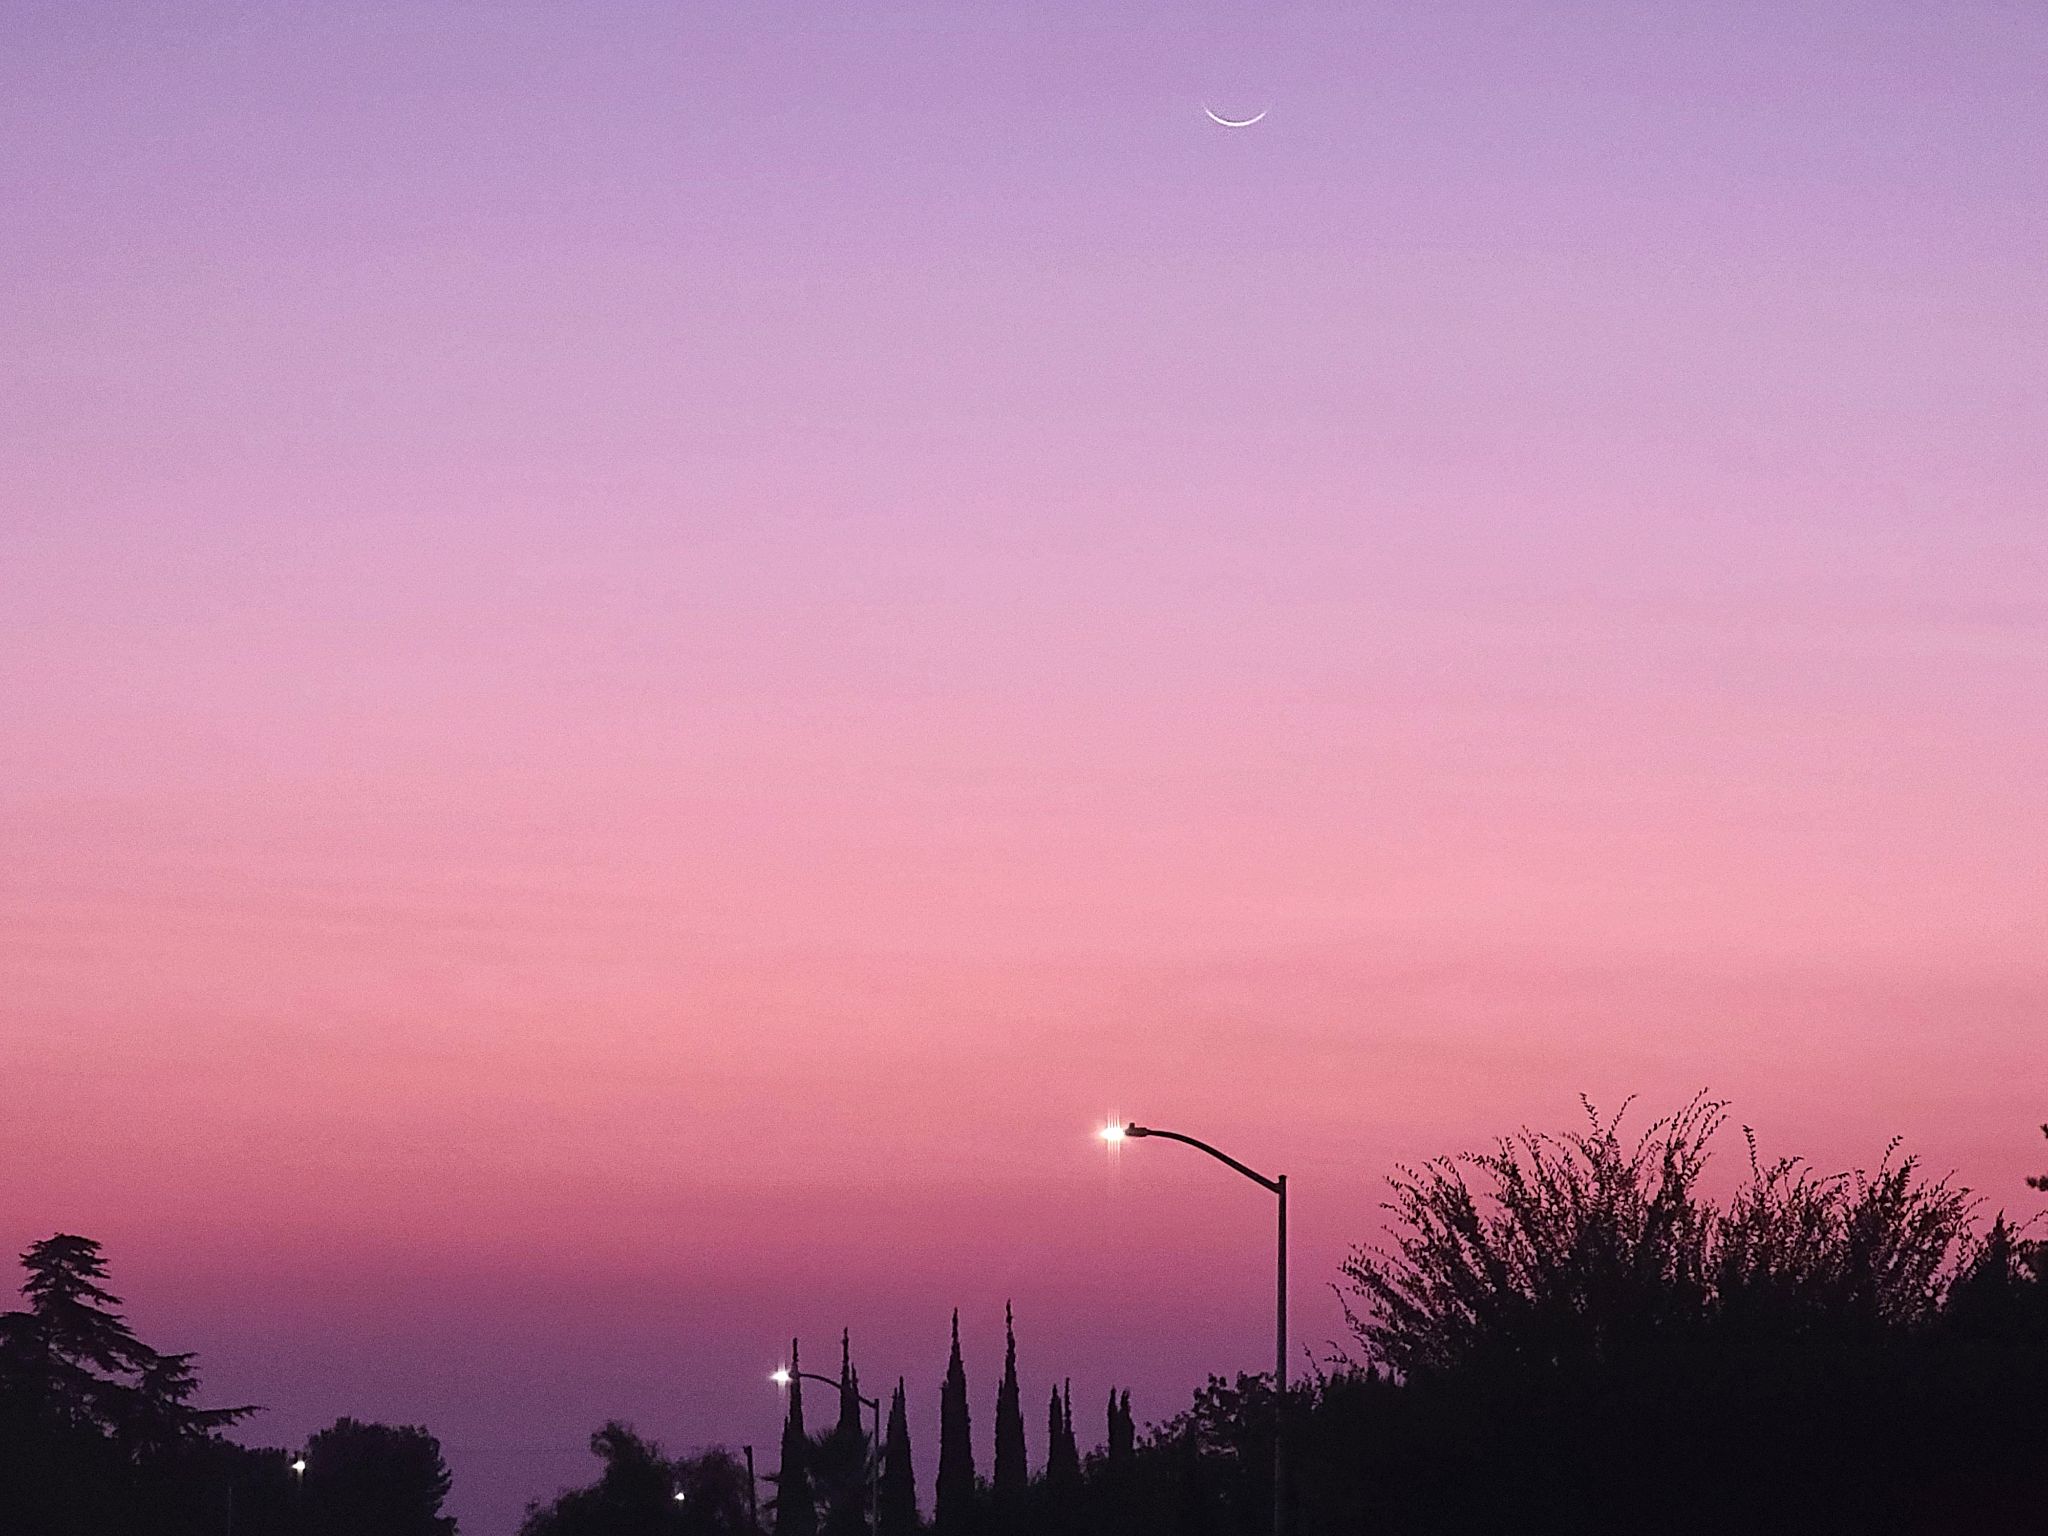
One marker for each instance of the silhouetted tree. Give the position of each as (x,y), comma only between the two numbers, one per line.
(953,1505)
(898,1493)
(1063,1455)
(796,1509)
(382,1478)
(1012,1474)
(715,1502)
(1583,1341)
(2039,1180)
(1123,1431)
(98,1432)
(635,1494)
(839,1458)
(72,1350)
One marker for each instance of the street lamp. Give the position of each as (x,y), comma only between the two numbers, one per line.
(782,1376)
(1114,1133)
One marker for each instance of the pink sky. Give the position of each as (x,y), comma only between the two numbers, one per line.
(650,653)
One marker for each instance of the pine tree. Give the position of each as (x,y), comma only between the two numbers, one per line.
(898,1514)
(1012,1474)
(79,1358)
(953,1508)
(796,1510)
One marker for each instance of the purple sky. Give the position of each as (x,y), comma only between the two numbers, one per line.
(650,652)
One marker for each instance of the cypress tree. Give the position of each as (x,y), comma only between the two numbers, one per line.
(1123,1434)
(849,1391)
(1072,1449)
(899,1485)
(1063,1455)
(952,1510)
(796,1510)
(1012,1474)
(839,1457)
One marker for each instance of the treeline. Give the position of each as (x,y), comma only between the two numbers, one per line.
(99,1435)
(1558,1334)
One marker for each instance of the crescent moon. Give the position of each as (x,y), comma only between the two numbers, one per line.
(1234,122)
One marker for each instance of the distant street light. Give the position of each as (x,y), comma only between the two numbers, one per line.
(782,1376)
(1114,1133)
(299,1466)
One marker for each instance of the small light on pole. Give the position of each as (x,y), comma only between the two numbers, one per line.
(1112,1133)
(298,1466)
(780,1375)
(680,1496)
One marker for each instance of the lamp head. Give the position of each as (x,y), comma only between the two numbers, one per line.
(780,1375)
(1112,1133)
(298,1466)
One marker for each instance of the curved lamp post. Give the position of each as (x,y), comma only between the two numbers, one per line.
(1276,1186)
(782,1376)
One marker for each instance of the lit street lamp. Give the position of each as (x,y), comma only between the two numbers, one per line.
(1114,1134)
(782,1376)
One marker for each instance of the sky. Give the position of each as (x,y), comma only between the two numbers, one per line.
(650,653)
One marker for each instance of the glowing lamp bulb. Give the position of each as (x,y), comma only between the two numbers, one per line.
(299,1466)
(679,1495)
(780,1376)
(1112,1134)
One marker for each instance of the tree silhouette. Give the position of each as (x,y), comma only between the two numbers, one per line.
(796,1509)
(385,1478)
(839,1458)
(1012,1474)
(2039,1180)
(898,1493)
(953,1505)
(715,1502)
(1063,1455)
(1579,1339)
(72,1351)
(1123,1431)
(635,1493)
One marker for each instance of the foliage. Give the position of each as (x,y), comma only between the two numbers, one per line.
(635,1494)
(382,1478)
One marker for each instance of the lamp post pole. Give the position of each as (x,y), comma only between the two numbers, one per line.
(1276,1186)
(783,1376)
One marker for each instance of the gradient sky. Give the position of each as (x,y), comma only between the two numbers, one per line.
(649,652)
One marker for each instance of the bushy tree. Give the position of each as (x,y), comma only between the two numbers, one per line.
(389,1479)
(632,1493)
(1583,1340)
